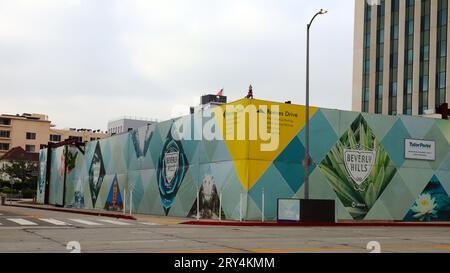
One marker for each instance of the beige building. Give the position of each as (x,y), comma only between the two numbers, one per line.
(400,56)
(30,131)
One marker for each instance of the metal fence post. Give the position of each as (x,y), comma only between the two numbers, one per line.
(240,206)
(198,204)
(220,206)
(131,202)
(262,210)
(124,200)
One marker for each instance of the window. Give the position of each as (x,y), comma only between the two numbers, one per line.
(441,80)
(408,86)
(409,57)
(4,146)
(395,32)
(379,59)
(77,138)
(424,81)
(366,57)
(55,138)
(392,103)
(31,136)
(6,134)
(441,52)
(30,148)
(93,138)
(5,121)
(424,55)
(410,27)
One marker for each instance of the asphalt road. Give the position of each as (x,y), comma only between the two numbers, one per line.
(30,230)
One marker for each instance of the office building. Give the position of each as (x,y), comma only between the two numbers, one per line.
(400,56)
(127,124)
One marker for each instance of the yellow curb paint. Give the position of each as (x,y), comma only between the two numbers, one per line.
(287,250)
(208,251)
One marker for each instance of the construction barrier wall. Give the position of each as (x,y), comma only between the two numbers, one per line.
(375,167)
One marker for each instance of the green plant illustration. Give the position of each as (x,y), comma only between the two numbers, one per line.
(71,158)
(358,199)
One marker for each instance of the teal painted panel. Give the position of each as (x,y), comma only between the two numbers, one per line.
(380,124)
(442,146)
(333,119)
(394,143)
(417,127)
(274,187)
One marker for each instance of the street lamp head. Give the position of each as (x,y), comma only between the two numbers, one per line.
(320,12)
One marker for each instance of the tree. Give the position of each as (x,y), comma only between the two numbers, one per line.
(21,172)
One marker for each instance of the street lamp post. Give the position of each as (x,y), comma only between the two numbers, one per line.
(307,161)
(12,190)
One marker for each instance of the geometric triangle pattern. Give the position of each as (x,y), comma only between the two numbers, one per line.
(436,135)
(288,164)
(393,142)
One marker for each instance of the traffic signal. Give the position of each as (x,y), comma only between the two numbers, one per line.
(443,110)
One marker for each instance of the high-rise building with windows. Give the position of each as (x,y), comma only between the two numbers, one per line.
(400,56)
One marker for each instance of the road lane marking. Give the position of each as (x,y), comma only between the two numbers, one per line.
(86,222)
(149,224)
(202,251)
(114,222)
(289,250)
(22,222)
(54,221)
(442,247)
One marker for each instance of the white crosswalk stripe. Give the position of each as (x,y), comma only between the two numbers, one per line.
(66,222)
(86,222)
(54,222)
(114,222)
(22,222)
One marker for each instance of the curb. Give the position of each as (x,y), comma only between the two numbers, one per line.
(275,224)
(112,215)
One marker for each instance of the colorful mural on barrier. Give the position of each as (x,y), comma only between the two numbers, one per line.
(358,160)
(358,168)
(40,192)
(114,201)
(433,204)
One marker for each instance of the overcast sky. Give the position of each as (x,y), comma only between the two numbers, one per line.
(84,62)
